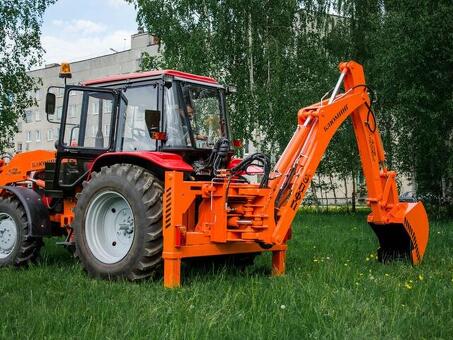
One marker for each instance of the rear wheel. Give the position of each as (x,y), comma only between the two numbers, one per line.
(118,223)
(16,248)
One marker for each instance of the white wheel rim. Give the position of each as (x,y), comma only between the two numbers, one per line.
(8,235)
(109,227)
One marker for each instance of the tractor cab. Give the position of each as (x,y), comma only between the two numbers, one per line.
(158,111)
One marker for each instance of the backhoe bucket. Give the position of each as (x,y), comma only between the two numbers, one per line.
(407,237)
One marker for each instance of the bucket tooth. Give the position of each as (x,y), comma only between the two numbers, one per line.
(406,239)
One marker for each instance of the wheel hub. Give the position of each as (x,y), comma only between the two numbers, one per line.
(109,226)
(124,225)
(8,235)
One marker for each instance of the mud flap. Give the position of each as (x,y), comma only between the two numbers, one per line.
(406,239)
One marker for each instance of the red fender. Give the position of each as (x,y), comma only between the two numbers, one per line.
(163,160)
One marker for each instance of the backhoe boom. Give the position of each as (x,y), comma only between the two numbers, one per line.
(233,216)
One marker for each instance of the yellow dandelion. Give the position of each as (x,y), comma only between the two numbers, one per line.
(420,277)
(407,285)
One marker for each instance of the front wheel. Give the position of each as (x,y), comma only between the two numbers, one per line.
(16,248)
(118,223)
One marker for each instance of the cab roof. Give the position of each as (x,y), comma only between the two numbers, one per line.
(150,74)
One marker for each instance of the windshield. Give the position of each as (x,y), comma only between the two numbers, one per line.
(193,108)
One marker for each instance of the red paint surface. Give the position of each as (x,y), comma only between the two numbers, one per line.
(138,75)
(165,160)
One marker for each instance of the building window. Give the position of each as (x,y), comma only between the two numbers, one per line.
(38,116)
(108,106)
(38,95)
(140,116)
(38,135)
(50,135)
(107,130)
(72,111)
(28,136)
(19,147)
(57,133)
(95,107)
(19,126)
(59,112)
(28,116)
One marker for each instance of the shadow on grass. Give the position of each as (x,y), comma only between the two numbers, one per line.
(192,270)
(210,268)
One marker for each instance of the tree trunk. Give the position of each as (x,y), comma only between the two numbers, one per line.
(333,189)
(346,193)
(251,63)
(354,193)
(321,191)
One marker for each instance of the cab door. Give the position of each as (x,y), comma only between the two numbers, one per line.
(88,125)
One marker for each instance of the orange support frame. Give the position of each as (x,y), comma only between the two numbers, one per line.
(224,216)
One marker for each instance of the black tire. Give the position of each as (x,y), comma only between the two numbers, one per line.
(143,192)
(26,249)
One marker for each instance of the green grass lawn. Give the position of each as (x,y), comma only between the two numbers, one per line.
(334,288)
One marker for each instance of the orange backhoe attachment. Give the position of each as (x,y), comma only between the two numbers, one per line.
(229,216)
(23,165)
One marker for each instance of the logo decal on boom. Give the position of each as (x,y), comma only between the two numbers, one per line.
(335,118)
(300,191)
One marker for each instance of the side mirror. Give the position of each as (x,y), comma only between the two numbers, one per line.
(152,119)
(50,103)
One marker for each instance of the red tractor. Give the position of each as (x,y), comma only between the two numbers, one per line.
(144,173)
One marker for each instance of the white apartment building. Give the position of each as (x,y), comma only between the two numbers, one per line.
(35,132)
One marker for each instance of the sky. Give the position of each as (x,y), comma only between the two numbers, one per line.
(81,29)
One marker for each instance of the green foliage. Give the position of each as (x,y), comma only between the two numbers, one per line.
(407,50)
(20,22)
(333,289)
(267,48)
(284,55)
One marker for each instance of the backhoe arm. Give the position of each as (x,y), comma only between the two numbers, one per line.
(228,215)
(402,228)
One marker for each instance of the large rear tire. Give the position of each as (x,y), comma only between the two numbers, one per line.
(118,223)
(16,248)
